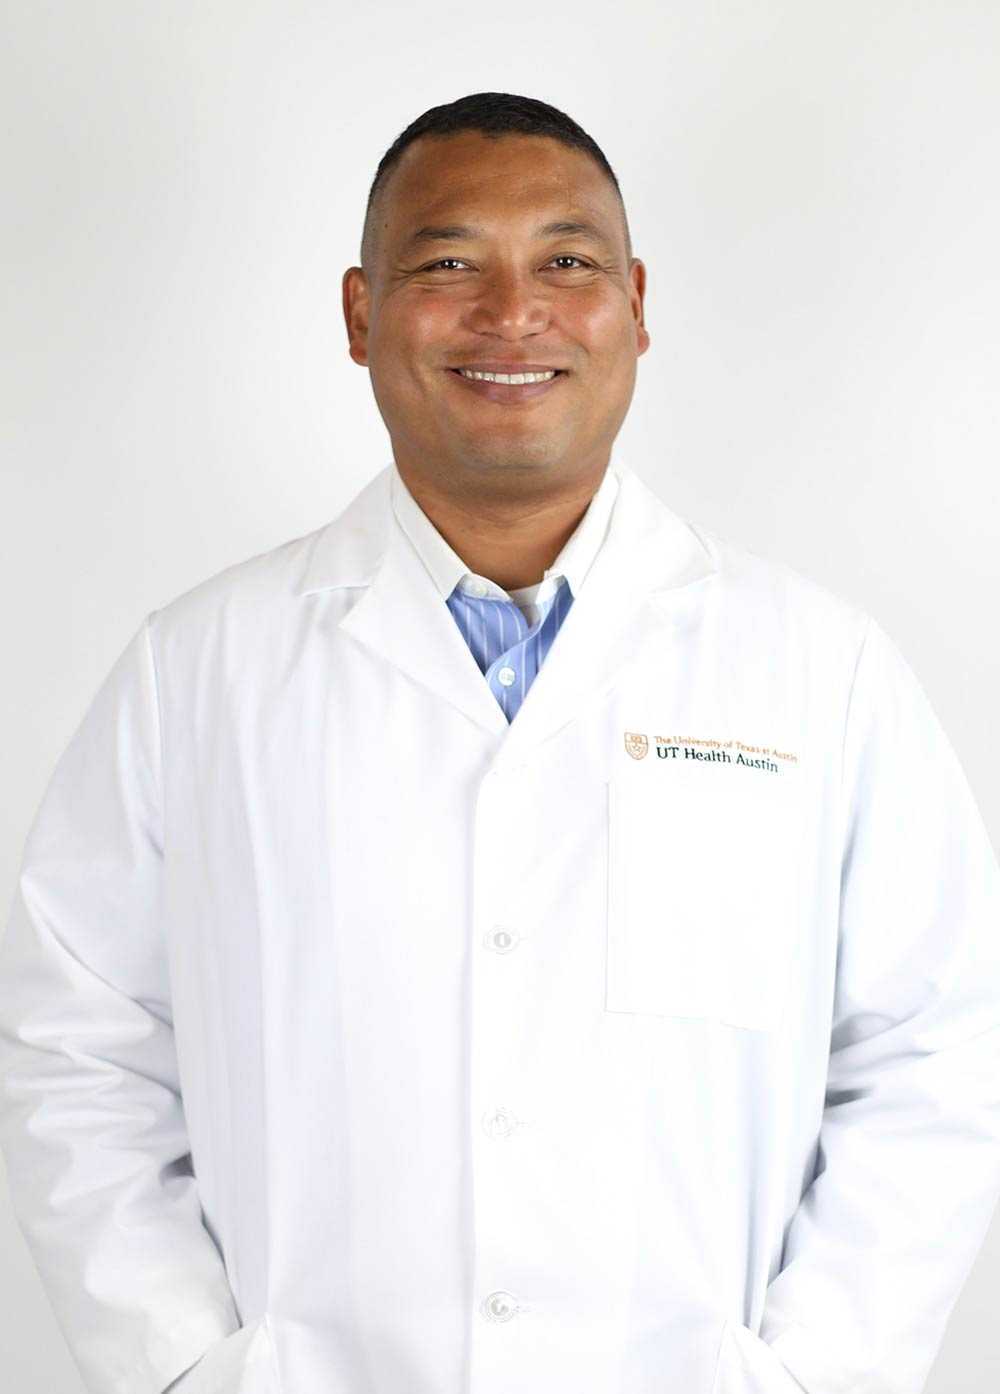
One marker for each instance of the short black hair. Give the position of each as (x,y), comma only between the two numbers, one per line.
(492,114)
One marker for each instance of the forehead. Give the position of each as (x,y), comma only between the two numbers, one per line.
(478,177)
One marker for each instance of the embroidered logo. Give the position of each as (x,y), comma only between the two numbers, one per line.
(637,745)
(698,748)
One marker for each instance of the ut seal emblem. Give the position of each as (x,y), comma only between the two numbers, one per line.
(636,744)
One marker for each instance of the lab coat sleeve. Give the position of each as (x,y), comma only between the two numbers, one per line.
(91,1117)
(908,1175)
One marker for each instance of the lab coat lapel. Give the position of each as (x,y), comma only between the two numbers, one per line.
(648,556)
(646,567)
(401,614)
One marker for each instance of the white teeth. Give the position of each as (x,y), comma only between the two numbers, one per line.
(508,377)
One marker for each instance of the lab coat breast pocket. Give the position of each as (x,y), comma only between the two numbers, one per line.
(703,892)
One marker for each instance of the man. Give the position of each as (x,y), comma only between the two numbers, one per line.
(508,939)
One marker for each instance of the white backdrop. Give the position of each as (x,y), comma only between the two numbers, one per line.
(812,187)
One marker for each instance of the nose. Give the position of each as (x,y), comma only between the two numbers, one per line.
(509,303)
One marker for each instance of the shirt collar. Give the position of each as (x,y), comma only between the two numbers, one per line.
(448,570)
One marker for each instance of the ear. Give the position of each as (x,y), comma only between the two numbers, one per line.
(356,298)
(637,278)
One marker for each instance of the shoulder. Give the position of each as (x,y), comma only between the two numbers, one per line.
(778,603)
(745,585)
(251,589)
(255,595)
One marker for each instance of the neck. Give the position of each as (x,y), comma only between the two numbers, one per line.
(511,541)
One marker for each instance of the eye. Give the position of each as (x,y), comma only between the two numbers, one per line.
(457,262)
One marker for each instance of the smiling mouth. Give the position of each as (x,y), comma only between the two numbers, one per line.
(486,385)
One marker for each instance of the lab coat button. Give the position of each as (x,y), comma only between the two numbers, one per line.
(506,676)
(499,1123)
(500,940)
(499,1306)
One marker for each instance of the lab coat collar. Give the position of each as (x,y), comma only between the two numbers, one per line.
(645,568)
(448,569)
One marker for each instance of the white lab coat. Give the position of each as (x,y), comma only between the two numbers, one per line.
(508,1057)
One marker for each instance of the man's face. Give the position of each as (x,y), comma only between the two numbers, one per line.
(505,292)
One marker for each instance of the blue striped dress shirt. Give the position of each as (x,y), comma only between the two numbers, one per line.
(508,632)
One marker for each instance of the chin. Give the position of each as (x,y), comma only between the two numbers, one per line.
(521,455)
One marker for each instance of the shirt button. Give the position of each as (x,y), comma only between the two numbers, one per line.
(499,1306)
(477,587)
(506,676)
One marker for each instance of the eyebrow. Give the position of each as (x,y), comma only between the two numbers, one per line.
(461,232)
